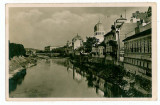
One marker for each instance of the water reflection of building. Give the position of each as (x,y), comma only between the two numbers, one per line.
(99,92)
(77,76)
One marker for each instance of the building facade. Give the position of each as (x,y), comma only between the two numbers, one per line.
(98,51)
(77,42)
(122,27)
(110,44)
(137,57)
(49,48)
(99,32)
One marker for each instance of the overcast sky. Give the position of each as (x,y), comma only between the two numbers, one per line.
(43,26)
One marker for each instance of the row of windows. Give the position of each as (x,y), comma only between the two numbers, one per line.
(138,62)
(109,49)
(99,33)
(138,46)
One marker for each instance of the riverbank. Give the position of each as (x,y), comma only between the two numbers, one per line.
(17,64)
(114,74)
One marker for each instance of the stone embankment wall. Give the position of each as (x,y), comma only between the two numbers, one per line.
(16,64)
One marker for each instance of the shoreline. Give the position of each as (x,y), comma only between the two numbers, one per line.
(127,87)
(17,64)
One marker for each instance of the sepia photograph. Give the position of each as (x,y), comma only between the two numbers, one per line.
(98,51)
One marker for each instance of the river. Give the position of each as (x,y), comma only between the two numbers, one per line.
(53,78)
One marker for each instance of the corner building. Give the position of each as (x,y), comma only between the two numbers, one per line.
(137,56)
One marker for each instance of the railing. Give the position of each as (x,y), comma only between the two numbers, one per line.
(138,55)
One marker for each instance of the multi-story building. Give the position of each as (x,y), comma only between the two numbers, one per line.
(122,27)
(110,44)
(99,32)
(137,57)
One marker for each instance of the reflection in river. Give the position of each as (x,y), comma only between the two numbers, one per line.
(61,78)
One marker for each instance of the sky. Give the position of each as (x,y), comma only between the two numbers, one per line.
(37,27)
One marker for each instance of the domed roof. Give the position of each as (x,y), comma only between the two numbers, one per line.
(121,19)
(98,27)
(77,38)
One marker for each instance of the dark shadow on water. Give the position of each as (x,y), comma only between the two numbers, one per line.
(16,80)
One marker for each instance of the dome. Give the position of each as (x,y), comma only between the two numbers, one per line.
(77,38)
(121,19)
(98,27)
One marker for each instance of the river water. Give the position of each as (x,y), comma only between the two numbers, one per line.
(53,78)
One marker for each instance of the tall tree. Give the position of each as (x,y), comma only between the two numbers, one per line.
(91,41)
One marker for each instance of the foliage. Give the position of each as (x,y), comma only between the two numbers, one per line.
(60,50)
(114,48)
(113,43)
(144,83)
(40,51)
(80,48)
(16,50)
(109,72)
(91,41)
(102,44)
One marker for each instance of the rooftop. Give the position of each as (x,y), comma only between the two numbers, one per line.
(139,34)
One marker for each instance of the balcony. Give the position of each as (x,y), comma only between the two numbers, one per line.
(144,56)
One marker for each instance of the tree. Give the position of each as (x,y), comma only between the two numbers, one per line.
(114,48)
(16,50)
(102,44)
(80,48)
(91,41)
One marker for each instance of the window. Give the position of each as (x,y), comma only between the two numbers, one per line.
(140,47)
(142,63)
(147,64)
(148,45)
(132,48)
(137,47)
(144,46)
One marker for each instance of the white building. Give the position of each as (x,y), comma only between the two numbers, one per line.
(77,42)
(50,48)
(99,32)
